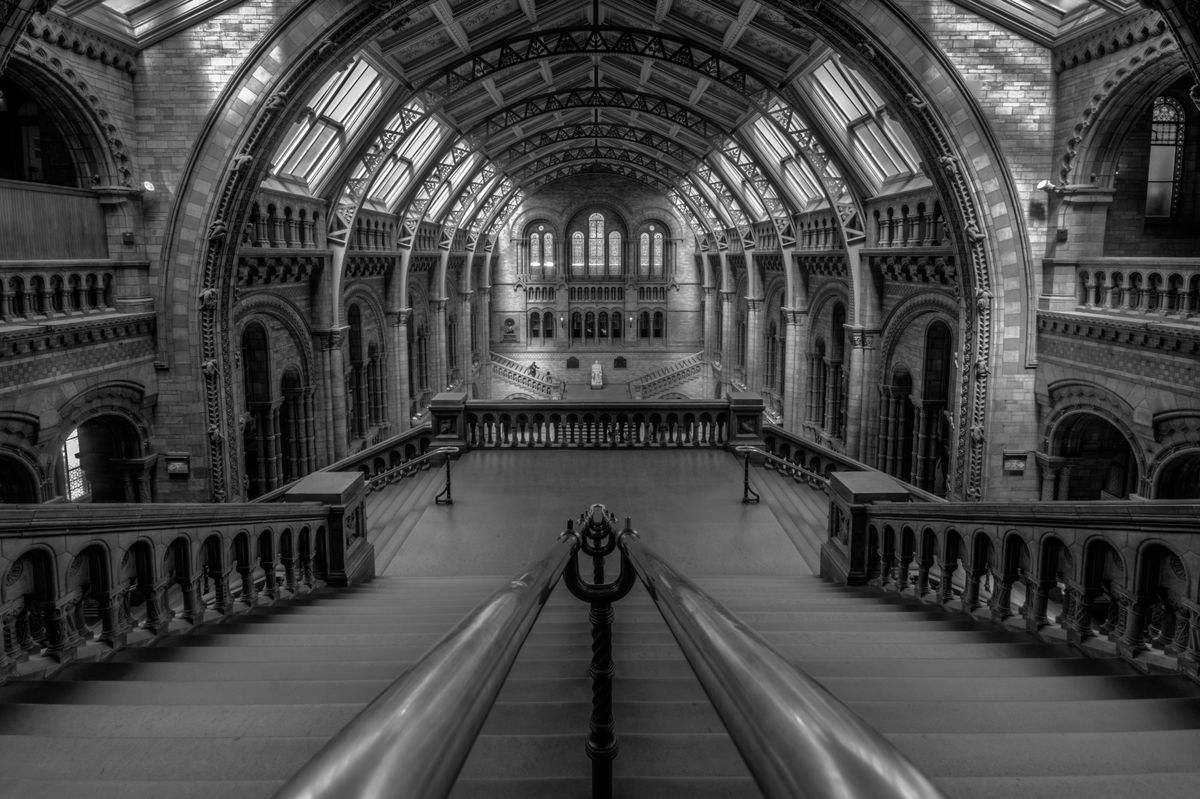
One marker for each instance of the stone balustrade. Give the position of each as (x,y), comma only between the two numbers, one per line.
(86,575)
(1162,287)
(621,424)
(288,221)
(44,291)
(1120,576)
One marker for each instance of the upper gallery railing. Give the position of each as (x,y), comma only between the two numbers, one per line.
(579,423)
(76,575)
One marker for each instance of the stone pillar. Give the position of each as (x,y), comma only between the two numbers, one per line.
(795,376)
(438,372)
(330,360)
(465,346)
(754,343)
(711,334)
(274,450)
(308,439)
(921,472)
(862,397)
(397,391)
(728,337)
(833,398)
(484,326)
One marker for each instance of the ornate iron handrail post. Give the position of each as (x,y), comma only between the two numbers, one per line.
(749,495)
(599,539)
(445,492)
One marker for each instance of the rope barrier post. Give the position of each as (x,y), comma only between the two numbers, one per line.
(449,500)
(749,495)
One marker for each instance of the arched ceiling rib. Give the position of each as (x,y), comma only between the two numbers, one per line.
(717,104)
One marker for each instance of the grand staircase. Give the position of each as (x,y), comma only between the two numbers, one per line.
(236,708)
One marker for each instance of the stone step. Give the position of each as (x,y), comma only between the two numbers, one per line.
(1075,786)
(628,787)
(1050,754)
(23,757)
(642,754)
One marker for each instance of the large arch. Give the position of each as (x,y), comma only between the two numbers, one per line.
(256,107)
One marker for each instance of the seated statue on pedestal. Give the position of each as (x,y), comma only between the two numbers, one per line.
(597,375)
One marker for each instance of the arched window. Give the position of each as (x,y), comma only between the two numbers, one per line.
(535,325)
(614,253)
(577,264)
(1166,158)
(656,257)
(644,254)
(644,325)
(616,325)
(535,251)
(660,324)
(548,325)
(602,324)
(548,251)
(576,326)
(595,245)
(589,326)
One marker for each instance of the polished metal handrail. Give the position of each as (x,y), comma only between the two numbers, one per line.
(787,467)
(414,738)
(411,467)
(797,739)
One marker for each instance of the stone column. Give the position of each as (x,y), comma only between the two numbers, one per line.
(711,334)
(795,376)
(754,343)
(728,337)
(308,438)
(920,459)
(484,326)
(331,362)
(438,371)
(833,398)
(396,393)
(465,345)
(862,397)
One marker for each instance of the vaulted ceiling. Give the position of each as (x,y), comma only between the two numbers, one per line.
(466,106)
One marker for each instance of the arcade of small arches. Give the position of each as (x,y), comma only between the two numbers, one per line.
(1136,594)
(52,602)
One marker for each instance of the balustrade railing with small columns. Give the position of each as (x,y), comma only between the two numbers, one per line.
(1122,576)
(1154,287)
(79,577)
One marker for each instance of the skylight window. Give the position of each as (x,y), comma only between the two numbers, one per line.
(852,106)
(731,176)
(795,177)
(452,186)
(329,123)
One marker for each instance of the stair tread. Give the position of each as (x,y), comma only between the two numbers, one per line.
(276,758)
(1037,754)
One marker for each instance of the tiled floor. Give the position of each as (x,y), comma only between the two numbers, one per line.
(510,505)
